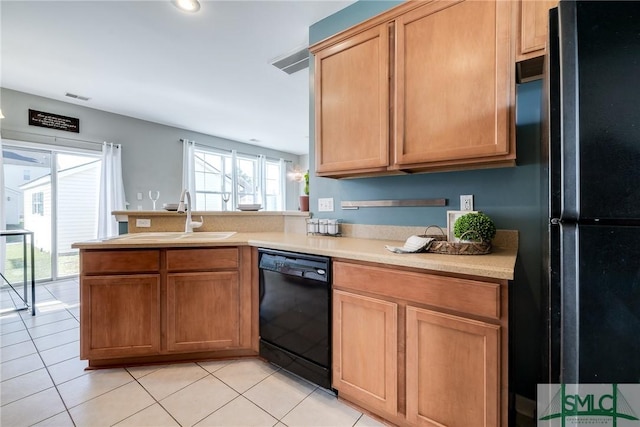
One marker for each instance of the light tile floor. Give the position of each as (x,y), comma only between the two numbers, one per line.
(43,381)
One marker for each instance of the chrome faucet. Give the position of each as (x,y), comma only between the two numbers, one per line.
(188,225)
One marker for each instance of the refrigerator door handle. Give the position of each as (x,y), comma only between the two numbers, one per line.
(570,303)
(569,123)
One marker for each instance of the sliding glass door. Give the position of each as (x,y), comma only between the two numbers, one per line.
(53,193)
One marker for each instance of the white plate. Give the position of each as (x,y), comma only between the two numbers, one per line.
(249,207)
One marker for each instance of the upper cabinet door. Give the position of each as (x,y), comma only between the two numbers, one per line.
(352,104)
(454,84)
(534,23)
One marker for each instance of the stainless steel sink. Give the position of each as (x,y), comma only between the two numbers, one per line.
(173,235)
(207,235)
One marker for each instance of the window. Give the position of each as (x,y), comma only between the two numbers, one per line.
(248,182)
(37,203)
(213,178)
(274,187)
(239,178)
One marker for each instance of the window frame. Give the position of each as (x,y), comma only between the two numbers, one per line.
(258,194)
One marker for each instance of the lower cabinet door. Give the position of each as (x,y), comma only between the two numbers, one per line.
(365,350)
(453,367)
(120,316)
(203,311)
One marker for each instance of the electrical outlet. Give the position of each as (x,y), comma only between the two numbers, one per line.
(139,196)
(325,204)
(143,222)
(466,202)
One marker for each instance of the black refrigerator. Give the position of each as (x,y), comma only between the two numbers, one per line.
(593,259)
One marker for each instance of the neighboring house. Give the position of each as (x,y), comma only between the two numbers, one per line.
(18,170)
(13,207)
(77,206)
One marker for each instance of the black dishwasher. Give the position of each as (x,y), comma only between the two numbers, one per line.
(295,313)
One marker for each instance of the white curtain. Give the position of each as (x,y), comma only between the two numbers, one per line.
(111,190)
(283,185)
(3,200)
(188,170)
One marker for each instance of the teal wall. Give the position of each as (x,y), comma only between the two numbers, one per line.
(511,196)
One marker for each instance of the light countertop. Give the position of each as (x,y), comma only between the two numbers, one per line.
(499,264)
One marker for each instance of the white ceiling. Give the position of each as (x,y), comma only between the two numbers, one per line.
(208,72)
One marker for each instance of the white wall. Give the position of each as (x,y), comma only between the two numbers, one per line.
(152,153)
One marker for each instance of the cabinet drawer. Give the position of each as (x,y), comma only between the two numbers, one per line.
(463,295)
(202,259)
(120,261)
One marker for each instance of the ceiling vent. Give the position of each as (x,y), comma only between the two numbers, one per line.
(74,96)
(295,62)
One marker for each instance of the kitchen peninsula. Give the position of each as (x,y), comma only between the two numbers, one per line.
(155,297)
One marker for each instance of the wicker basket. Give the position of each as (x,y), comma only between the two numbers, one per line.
(441,236)
(459,248)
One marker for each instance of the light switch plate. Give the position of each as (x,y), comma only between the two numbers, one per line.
(325,204)
(140,222)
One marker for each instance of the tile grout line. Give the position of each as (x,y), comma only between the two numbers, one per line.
(159,402)
(49,373)
(52,380)
(150,395)
(44,364)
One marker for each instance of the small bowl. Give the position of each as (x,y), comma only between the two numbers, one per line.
(171,206)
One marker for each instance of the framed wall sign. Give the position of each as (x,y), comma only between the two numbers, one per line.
(54,121)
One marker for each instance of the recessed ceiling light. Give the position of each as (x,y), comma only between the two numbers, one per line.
(187,5)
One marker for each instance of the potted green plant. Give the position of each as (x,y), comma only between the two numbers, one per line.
(304,200)
(474,226)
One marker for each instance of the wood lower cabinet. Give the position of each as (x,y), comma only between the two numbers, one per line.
(365,340)
(421,349)
(154,305)
(120,316)
(453,370)
(203,311)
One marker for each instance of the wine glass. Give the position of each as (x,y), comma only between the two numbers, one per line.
(225,198)
(154,196)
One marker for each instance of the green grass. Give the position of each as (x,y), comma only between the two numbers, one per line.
(13,271)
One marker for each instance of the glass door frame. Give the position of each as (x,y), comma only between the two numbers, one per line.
(53,151)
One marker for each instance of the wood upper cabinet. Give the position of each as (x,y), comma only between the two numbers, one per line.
(534,26)
(365,349)
(203,311)
(454,84)
(120,316)
(440,97)
(352,104)
(453,370)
